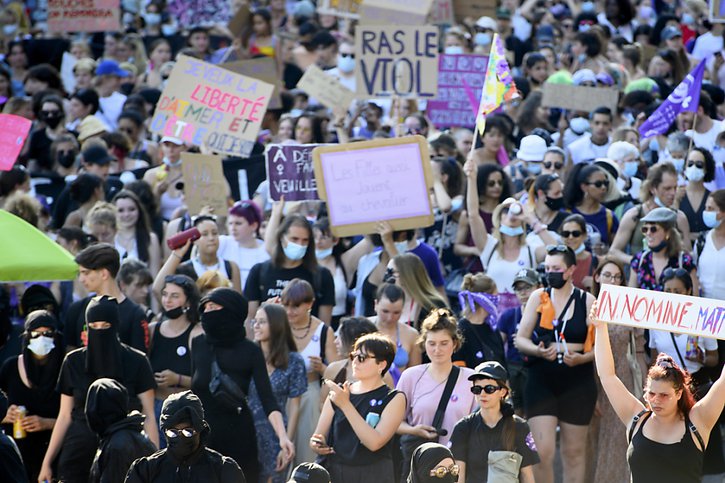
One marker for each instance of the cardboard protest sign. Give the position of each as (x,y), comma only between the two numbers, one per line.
(13,132)
(204,183)
(325,88)
(340,8)
(717,11)
(452,107)
(579,98)
(396,61)
(264,69)
(240,21)
(84,15)
(206,105)
(394,12)
(290,172)
(367,182)
(474,9)
(649,309)
(441,13)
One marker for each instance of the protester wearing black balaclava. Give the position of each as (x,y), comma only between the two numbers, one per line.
(223,312)
(186,457)
(41,358)
(432,457)
(11,464)
(105,356)
(120,432)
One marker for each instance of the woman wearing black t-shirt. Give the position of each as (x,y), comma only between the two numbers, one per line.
(358,421)
(29,380)
(104,356)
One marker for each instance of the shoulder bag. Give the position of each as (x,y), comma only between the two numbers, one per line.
(225,390)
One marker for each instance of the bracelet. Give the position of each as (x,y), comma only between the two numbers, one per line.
(177,255)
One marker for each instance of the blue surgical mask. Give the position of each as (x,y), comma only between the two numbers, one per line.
(169,29)
(454,49)
(534,168)
(345,64)
(456,204)
(678,163)
(710,219)
(654,145)
(322,254)
(41,346)
(482,38)
(582,57)
(152,18)
(580,249)
(294,251)
(510,230)
(402,246)
(659,203)
(630,168)
(168,163)
(688,19)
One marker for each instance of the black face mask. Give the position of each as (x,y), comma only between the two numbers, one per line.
(659,247)
(388,277)
(222,327)
(174,313)
(555,279)
(52,120)
(103,354)
(181,448)
(66,159)
(554,204)
(127,88)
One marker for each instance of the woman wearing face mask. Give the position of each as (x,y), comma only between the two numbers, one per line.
(627,157)
(573,234)
(560,388)
(170,338)
(456,42)
(699,169)
(29,380)
(293,250)
(546,196)
(105,356)
(225,345)
(51,115)
(709,248)
(663,249)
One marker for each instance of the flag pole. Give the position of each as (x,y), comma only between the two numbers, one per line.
(692,138)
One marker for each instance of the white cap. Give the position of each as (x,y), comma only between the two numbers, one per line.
(171,139)
(532,148)
(487,23)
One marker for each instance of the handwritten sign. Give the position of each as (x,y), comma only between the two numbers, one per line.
(206,105)
(474,9)
(579,98)
(264,69)
(717,11)
(662,311)
(452,107)
(441,13)
(394,12)
(84,15)
(13,132)
(204,183)
(340,8)
(325,88)
(290,172)
(396,61)
(366,182)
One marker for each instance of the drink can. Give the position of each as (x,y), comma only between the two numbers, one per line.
(18,430)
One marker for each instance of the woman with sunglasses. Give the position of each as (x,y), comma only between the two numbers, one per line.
(669,433)
(546,201)
(573,233)
(492,428)
(699,169)
(29,380)
(355,431)
(585,192)
(561,388)
(433,463)
(170,337)
(554,161)
(609,443)
(663,249)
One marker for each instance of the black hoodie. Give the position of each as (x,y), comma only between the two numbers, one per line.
(121,433)
(204,465)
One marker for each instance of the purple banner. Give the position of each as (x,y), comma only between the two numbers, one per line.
(452,107)
(290,172)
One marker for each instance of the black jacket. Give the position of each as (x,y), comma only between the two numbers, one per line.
(207,467)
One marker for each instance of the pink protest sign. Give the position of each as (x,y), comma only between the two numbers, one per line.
(84,15)
(13,131)
(367,182)
(457,74)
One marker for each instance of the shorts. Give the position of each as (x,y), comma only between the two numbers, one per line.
(554,389)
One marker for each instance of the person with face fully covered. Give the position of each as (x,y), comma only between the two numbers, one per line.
(29,380)
(224,342)
(186,455)
(105,356)
(560,390)
(433,463)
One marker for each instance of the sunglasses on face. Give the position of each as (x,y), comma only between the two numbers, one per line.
(652,229)
(697,164)
(488,389)
(352,56)
(599,184)
(175,433)
(360,356)
(494,182)
(34,334)
(549,164)
(570,234)
(442,471)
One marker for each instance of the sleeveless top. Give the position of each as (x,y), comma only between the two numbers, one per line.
(169,204)
(503,271)
(694,216)
(679,462)
(313,347)
(574,329)
(171,352)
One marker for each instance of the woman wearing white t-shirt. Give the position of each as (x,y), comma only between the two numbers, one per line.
(243,246)
(711,254)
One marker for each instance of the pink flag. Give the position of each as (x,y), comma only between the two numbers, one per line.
(13,131)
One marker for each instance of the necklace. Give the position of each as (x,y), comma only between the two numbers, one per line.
(306,329)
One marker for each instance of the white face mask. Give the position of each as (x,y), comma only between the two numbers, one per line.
(346,64)
(693,173)
(152,18)
(41,346)
(168,30)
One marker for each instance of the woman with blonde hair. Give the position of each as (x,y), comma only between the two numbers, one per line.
(101,222)
(210,280)
(421,296)
(479,316)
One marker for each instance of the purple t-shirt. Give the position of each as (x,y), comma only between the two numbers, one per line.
(432,265)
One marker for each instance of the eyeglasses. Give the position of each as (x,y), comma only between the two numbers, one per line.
(351,56)
(610,276)
(34,334)
(360,356)
(552,249)
(669,273)
(568,234)
(442,471)
(652,229)
(697,164)
(599,184)
(175,433)
(549,164)
(494,182)
(488,389)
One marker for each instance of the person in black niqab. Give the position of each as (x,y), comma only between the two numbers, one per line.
(432,458)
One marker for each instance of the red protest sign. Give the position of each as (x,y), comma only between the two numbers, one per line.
(13,131)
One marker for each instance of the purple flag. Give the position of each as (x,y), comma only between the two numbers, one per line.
(685,97)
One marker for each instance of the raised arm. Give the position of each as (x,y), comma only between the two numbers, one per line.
(352,256)
(270,234)
(475,222)
(707,410)
(169,268)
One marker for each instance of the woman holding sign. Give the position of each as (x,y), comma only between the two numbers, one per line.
(668,435)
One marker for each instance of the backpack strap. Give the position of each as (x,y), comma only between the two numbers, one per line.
(635,420)
(490,256)
(694,431)
(228,268)
(323,341)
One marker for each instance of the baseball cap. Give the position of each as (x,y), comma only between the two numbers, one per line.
(532,148)
(172,140)
(528,276)
(486,23)
(110,67)
(671,32)
(545,34)
(310,473)
(96,155)
(489,370)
